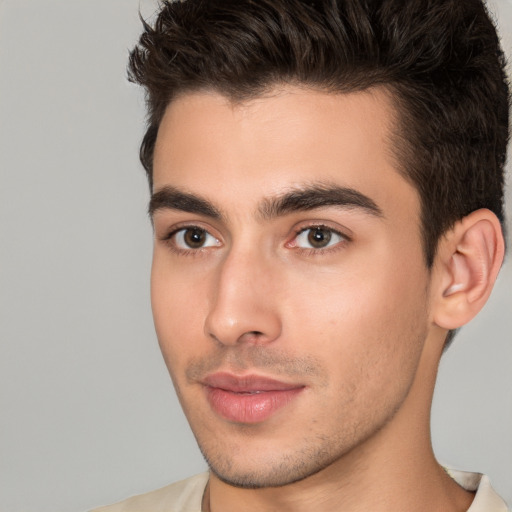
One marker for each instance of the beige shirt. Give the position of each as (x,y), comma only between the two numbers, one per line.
(186,496)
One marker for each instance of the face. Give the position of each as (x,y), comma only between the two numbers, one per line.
(289,288)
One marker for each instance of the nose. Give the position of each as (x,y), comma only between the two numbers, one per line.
(243,306)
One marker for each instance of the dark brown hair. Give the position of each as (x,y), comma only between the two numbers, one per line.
(440,59)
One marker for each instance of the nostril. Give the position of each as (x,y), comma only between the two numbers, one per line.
(252,337)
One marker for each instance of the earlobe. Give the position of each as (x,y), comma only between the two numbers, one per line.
(470,256)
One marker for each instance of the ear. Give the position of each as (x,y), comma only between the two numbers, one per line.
(468,260)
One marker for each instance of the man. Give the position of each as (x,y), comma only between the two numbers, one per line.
(327,200)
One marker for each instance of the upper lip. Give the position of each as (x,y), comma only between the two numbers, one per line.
(246,383)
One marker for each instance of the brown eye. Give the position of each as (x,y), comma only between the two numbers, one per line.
(318,237)
(194,238)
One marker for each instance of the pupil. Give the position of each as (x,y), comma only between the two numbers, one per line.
(195,237)
(319,237)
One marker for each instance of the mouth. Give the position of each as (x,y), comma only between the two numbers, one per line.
(248,399)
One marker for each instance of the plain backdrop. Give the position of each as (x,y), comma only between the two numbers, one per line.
(87,411)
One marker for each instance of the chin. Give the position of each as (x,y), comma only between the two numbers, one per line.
(261,480)
(259,474)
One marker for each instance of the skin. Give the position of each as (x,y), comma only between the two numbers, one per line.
(351,324)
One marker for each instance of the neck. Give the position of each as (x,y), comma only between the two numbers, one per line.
(395,469)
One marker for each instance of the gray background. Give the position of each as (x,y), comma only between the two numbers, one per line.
(87,413)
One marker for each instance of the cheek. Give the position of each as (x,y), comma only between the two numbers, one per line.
(367,316)
(366,296)
(178,311)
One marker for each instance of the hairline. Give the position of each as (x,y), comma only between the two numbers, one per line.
(400,145)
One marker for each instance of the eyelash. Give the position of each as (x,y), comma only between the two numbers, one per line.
(321,251)
(168,240)
(191,252)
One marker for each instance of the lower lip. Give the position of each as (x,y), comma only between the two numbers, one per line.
(249,407)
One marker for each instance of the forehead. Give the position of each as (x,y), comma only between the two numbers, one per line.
(240,153)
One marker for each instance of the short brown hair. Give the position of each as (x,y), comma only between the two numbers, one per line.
(441,60)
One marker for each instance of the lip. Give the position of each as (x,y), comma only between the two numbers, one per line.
(248,399)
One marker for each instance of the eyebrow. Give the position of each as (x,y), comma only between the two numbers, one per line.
(318,196)
(174,199)
(298,199)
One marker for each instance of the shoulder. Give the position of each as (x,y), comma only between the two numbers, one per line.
(183,496)
(486,499)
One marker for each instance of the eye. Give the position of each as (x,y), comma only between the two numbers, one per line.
(317,237)
(193,238)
